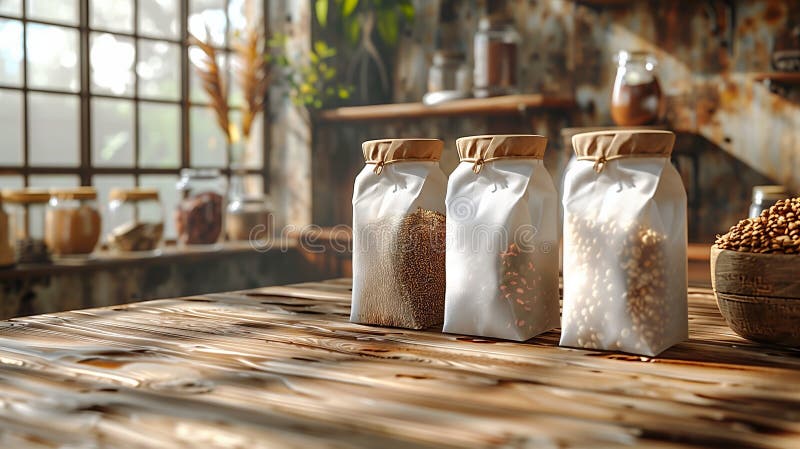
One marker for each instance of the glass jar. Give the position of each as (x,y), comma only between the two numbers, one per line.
(7,257)
(448,76)
(26,212)
(248,217)
(72,222)
(200,211)
(496,57)
(636,98)
(765,197)
(136,221)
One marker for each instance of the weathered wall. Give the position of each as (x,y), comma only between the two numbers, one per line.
(737,132)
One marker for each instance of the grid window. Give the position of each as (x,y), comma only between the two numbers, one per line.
(97,90)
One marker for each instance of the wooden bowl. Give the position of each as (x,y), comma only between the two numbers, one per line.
(758,294)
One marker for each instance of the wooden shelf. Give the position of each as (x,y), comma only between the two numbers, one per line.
(505,105)
(779,77)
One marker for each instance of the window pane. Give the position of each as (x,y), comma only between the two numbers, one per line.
(159,69)
(52,57)
(196,57)
(53,129)
(10,127)
(112,63)
(10,52)
(116,15)
(207,140)
(238,12)
(65,11)
(159,135)
(159,18)
(104,184)
(208,14)
(11,182)
(53,181)
(11,7)
(112,132)
(169,198)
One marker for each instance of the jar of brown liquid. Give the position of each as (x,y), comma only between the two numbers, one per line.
(72,221)
(496,60)
(636,99)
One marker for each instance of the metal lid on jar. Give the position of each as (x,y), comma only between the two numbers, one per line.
(133,194)
(26,196)
(74,193)
(769,193)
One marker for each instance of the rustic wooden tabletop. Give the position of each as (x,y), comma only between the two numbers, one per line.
(283,367)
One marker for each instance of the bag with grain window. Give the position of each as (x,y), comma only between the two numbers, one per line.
(399,234)
(624,244)
(502,239)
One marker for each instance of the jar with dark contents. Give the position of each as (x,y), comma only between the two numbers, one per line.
(7,257)
(496,50)
(199,215)
(26,213)
(636,98)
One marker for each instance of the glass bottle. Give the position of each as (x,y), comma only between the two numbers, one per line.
(7,256)
(72,221)
(248,216)
(765,197)
(200,212)
(636,98)
(136,220)
(496,48)
(26,213)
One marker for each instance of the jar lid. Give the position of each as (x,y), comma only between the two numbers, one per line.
(769,193)
(133,194)
(74,193)
(26,196)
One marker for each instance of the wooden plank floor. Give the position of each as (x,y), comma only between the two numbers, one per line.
(283,367)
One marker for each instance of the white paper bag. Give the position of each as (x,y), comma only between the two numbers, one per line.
(399,234)
(502,239)
(624,244)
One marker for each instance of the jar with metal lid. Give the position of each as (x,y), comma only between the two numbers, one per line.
(449,77)
(636,97)
(7,257)
(72,221)
(26,212)
(136,219)
(765,197)
(496,50)
(248,217)
(200,213)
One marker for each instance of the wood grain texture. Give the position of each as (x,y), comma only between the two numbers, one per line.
(283,367)
(757,275)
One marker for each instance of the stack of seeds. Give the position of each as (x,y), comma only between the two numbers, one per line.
(775,231)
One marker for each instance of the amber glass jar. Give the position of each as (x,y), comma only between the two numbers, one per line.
(136,219)
(26,213)
(636,98)
(496,49)
(72,222)
(7,258)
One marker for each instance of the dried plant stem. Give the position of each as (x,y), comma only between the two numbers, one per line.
(253,75)
(211,76)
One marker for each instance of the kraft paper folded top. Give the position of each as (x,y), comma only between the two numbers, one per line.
(603,146)
(482,149)
(392,150)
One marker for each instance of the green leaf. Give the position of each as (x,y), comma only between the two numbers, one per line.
(353,31)
(407,8)
(348,7)
(388,29)
(321,7)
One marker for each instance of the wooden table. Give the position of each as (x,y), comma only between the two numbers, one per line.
(283,367)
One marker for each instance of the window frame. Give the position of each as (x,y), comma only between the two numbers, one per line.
(86,170)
